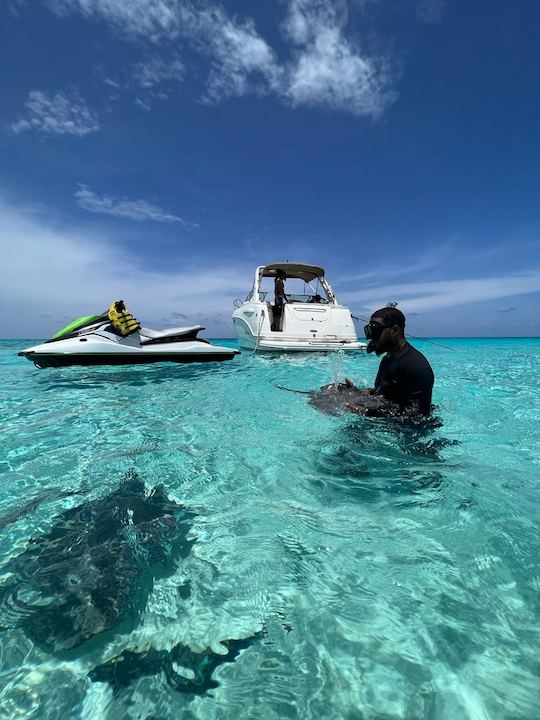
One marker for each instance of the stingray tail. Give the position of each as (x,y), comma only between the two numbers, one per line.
(300,392)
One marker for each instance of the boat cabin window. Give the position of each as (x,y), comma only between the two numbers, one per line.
(262,296)
(296,290)
(316,298)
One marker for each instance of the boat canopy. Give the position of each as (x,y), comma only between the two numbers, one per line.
(293,270)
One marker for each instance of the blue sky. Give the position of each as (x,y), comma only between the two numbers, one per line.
(158,150)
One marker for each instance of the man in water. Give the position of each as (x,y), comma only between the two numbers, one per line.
(280,299)
(405,377)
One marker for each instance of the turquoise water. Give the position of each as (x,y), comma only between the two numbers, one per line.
(385,573)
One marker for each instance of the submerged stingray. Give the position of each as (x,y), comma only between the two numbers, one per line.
(95,568)
(124,669)
(333,399)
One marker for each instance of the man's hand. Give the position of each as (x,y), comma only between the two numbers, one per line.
(356,409)
(366,392)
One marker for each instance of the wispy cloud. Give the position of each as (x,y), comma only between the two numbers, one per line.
(435,256)
(153,79)
(430,11)
(419,297)
(114,84)
(146,81)
(123,207)
(329,69)
(320,66)
(58,114)
(325,69)
(156,70)
(73,272)
(241,60)
(153,19)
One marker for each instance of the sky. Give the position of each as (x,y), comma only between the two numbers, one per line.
(157,151)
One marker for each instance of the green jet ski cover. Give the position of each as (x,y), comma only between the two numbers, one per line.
(75,325)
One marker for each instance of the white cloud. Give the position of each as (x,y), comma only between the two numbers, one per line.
(112,83)
(237,52)
(156,70)
(329,69)
(242,60)
(122,207)
(151,78)
(143,103)
(325,68)
(65,273)
(414,297)
(57,114)
(153,19)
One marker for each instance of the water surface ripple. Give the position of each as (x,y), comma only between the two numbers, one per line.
(338,567)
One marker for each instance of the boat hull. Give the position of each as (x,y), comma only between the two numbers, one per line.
(286,344)
(252,329)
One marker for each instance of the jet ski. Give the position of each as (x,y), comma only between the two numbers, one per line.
(117,338)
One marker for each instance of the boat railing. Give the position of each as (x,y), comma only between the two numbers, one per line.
(238,303)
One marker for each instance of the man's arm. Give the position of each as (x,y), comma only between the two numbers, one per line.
(373,406)
(418,386)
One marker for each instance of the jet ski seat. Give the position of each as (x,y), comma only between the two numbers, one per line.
(180,332)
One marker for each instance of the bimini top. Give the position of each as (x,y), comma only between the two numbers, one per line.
(293,270)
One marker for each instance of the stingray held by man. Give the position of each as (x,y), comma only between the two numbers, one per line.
(336,398)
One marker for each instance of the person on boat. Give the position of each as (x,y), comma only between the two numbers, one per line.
(279,298)
(405,377)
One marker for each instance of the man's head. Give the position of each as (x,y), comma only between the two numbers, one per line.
(385,330)
(281,274)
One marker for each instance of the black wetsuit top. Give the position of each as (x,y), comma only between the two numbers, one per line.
(406,379)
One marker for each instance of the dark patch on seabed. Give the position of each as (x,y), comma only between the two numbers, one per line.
(128,667)
(95,568)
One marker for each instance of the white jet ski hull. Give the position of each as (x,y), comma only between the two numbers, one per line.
(107,350)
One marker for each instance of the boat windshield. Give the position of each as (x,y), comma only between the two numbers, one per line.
(306,299)
(296,290)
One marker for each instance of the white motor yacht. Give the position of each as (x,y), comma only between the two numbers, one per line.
(311,320)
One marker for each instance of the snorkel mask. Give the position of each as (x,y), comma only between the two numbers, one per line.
(373,331)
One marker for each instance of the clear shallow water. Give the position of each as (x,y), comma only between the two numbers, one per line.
(394,573)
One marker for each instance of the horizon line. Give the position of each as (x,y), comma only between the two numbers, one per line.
(411,337)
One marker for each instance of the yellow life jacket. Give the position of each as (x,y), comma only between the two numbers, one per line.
(122,320)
